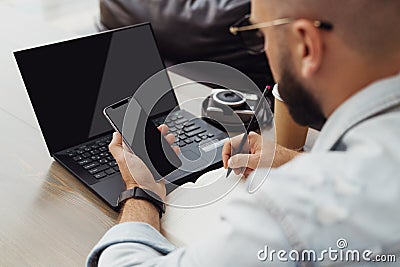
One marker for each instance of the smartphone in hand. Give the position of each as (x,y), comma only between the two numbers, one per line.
(142,137)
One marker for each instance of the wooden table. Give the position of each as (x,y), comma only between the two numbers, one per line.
(48,218)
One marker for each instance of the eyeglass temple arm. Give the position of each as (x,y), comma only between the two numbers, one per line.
(234,30)
(317,23)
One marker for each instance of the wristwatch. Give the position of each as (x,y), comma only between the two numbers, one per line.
(143,194)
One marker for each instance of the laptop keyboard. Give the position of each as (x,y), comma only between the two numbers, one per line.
(95,158)
(186,131)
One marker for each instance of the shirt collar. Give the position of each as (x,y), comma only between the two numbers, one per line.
(374,99)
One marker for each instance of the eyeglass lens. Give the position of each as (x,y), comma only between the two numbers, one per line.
(253,40)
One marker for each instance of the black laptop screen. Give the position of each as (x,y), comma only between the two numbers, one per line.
(71,82)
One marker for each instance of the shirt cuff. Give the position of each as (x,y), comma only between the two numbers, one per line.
(130,232)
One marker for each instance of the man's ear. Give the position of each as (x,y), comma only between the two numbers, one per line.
(308,48)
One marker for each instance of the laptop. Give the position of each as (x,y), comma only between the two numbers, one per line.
(69,83)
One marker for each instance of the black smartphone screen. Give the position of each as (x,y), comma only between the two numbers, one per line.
(143,138)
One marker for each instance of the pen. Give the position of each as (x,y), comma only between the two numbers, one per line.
(246,133)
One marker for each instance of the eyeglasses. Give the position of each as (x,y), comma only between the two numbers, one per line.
(253,39)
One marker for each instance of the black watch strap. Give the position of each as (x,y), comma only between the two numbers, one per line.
(143,194)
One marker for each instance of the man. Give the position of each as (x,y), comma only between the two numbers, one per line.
(335,60)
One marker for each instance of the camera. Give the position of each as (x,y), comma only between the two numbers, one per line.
(232,110)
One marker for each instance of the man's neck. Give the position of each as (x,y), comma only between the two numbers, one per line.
(354,81)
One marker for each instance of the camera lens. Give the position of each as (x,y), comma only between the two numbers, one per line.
(230,97)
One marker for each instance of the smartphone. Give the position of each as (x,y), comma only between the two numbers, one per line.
(143,138)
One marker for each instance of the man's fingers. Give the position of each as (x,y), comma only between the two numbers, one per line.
(115,145)
(247,172)
(238,171)
(163,129)
(117,150)
(116,140)
(244,160)
(226,153)
(244,171)
(231,146)
(176,150)
(170,138)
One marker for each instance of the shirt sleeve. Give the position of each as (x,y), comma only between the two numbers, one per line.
(237,241)
(141,239)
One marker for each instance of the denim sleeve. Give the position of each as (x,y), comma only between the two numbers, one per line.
(140,237)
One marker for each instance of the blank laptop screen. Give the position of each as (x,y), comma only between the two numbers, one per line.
(71,82)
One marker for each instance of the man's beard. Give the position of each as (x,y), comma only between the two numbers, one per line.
(302,106)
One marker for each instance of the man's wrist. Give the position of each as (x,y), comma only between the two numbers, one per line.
(130,185)
(144,194)
(283,155)
(139,210)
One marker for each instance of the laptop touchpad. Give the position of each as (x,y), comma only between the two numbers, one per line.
(190,155)
(191,161)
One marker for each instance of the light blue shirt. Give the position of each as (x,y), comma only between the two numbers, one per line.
(347,187)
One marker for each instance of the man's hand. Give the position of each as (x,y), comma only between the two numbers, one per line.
(242,162)
(259,154)
(134,172)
